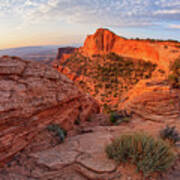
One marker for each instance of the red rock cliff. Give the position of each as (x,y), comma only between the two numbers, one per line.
(105,41)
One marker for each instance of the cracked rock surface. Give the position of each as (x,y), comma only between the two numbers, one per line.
(81,157)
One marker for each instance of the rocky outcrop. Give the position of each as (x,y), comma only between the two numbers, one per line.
(105,41)
(33,95)
(153,100)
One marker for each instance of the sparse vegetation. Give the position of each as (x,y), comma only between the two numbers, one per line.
(117,118)
(177,46)
(161,71)
(174,51)
(148,154)
(156,40)
(174,77)
(107,77)
(170,134)
(58,131)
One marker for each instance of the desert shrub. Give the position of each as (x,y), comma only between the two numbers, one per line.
(174,77)
(16,57)
(113,56)
(176,65)
(148,154)
(170,133)
(161,71)
(173,80)
(77,121)
(96,55)
(89,119)
(177,46)
(106,108)
(58,131)
(117,118)
(174,51)
(172,40)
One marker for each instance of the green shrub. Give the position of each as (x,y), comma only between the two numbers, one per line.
(78,121)
(60,132)
(170,133)
(161,71)
(176,65)
(113,56)
(174,77)
(96,55)
(177,46)
(107,109)
(117,118)
(148,154)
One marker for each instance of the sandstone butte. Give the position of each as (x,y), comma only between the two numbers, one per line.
(32,96)
(104,41)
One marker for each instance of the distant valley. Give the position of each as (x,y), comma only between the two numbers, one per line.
(45,54)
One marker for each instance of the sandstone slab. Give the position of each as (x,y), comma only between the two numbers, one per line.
(33,95)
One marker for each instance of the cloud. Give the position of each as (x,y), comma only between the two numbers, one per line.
(124,13)
(174,26)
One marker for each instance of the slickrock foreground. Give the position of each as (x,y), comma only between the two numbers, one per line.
(32,96)
(81,156)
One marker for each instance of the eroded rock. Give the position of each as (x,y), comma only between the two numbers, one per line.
(33,95)
(153,100)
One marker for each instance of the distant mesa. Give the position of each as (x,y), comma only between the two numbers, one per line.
(65,50)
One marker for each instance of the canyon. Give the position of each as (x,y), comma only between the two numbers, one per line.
(78,94)
(108,66)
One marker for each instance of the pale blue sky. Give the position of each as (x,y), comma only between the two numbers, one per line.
(43,22)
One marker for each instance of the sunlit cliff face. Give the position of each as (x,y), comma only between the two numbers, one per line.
(107,66)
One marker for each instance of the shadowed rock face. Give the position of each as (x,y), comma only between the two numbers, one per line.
(33,95)
(66,50)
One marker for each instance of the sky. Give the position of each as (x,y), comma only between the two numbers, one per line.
(66,22)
